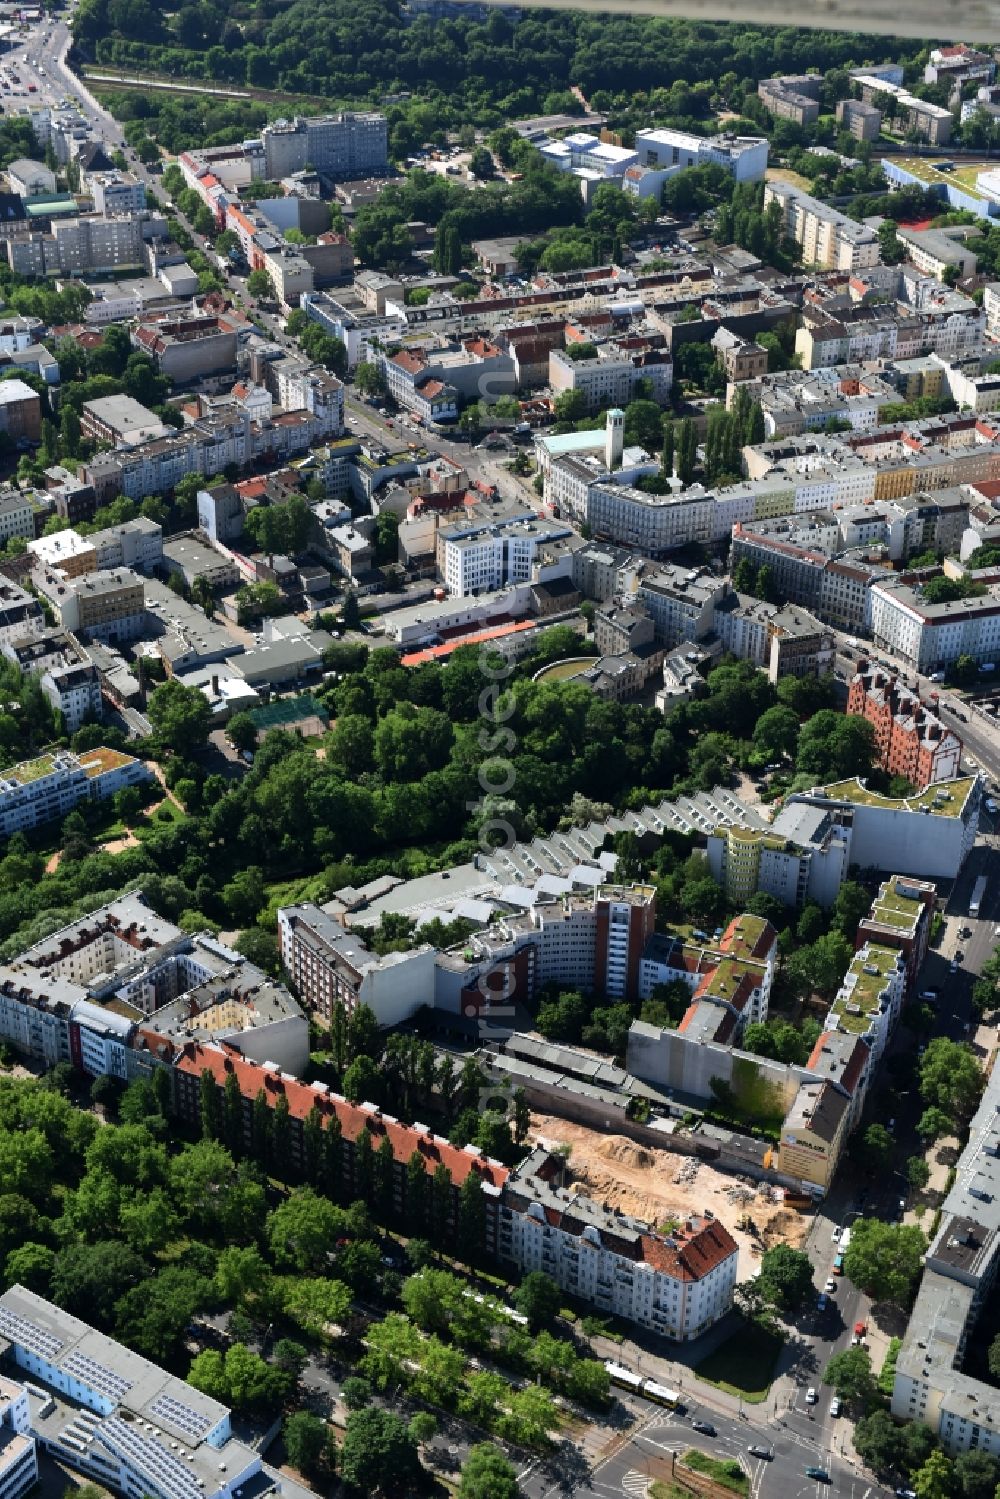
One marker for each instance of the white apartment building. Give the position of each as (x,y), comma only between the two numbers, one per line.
(18,1455)
(933,636)
(653,524)
(676,1284)
(17,516)
(74,689)
(352,145)
(136,544)
(611,376)
(829,239)
(42,790)
(680,601)
(116,193)
(483,556)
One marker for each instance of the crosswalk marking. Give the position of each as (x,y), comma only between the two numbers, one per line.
(636,1484)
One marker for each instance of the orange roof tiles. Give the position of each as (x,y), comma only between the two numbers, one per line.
(222,1060)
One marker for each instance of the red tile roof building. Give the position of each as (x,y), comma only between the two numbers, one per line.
(221,1061)
(676,1284)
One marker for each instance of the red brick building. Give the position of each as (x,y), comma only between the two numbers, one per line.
(911,739)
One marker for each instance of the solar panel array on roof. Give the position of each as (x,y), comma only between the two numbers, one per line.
(192,1422)
(28,1334)
(150,1459)
(96,1376)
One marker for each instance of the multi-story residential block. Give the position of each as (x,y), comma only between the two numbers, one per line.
(829,239)
(116,193)
(136,544)
(813,1134)
(84,246)
(932,636)
(677,1285)
(114,1417)
(933,1383)
(869,1000)
(911,739)
(928,835)
(17,514)
(348,145)
(741,358)
(901,917)
(592,942)
(107,606)
(188,348)
(316,1101)
(361,331)
(798,645)
(680,601)
(803,857)
(208,446)
(958,65)
(931,122)
(74,690)
(938,251)
(863,121)
(330,964)
(18,1452)
(482,555)
(794,97)
(611,376)
(41,790)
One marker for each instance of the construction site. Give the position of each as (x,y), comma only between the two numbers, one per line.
(661,1187)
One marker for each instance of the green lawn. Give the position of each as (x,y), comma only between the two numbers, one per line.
(744,1364)
(724,1470)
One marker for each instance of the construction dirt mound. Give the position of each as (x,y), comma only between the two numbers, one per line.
(665,1187)
(625,1153)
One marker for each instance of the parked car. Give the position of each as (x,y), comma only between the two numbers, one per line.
(811,1396)
(821,1303)
(831,1286)
(834,1406)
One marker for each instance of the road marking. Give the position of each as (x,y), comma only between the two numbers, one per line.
(636,1484)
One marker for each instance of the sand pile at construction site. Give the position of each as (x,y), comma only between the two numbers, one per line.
(663,1187)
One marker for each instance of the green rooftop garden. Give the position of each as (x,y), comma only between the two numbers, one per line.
(867,989)
(946,798)
(30,770)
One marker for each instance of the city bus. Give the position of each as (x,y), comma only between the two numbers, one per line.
(661,1394)
(619,1375)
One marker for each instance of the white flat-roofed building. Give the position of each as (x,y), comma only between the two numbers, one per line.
(481,556)
(117,1418)
(928,835)
(932,636)
(745,156)
(44,789)
(18,1453)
